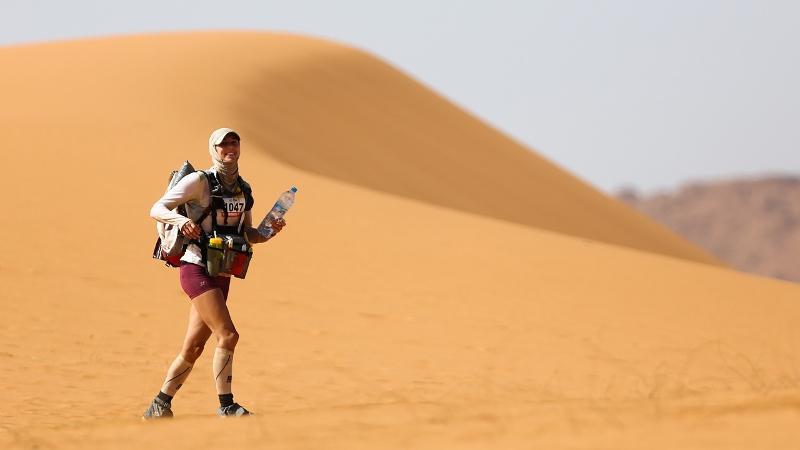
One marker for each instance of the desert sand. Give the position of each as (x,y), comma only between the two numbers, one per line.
(437,285)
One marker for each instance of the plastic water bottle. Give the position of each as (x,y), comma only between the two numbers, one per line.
(230,255)
(285,201)
(214,256)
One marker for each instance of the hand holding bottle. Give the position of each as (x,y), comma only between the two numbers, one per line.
(273,222)
(277,225)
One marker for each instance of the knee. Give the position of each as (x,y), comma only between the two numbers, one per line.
(229,339)
(192,352)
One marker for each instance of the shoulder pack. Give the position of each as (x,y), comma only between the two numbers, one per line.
(171,244)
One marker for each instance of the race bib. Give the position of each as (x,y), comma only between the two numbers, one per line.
(234,206)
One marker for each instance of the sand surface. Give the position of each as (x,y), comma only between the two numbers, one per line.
(395,310)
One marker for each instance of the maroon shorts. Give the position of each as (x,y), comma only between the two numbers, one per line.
(195,281)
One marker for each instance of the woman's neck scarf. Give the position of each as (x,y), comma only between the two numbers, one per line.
(228,173)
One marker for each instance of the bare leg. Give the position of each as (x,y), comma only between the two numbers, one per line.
(213,312)
(208,314)
(211,308)
(196,336)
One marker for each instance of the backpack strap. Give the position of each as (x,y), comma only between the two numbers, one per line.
(210,209)
(248,194)
(216,190)
(200,220)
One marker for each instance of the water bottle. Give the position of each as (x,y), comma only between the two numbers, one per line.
(214,256)
(230,254)
(285,201)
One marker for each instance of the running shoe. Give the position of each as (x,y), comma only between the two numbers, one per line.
(158,409)
(235,410)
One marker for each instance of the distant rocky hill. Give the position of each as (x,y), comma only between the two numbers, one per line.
(753,225)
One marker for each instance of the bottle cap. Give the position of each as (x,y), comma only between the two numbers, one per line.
(294,189)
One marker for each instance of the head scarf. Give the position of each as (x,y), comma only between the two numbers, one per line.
(228,173)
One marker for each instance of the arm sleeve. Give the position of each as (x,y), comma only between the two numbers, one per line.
(184,191)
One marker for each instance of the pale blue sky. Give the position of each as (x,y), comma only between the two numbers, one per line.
(645,94)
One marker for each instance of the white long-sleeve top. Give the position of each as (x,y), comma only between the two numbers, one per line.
(193,190)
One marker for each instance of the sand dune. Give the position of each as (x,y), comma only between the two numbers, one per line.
(376,320)
(324,108)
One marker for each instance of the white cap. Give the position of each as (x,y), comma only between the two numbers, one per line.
(218,135)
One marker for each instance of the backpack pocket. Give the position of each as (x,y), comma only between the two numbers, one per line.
(170,245)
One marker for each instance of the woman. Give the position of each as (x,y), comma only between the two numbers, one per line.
(209,312)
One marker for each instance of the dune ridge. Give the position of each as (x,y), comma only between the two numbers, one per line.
(383,130)
(338,112)
(399,323)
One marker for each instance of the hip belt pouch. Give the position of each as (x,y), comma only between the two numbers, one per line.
(237,254)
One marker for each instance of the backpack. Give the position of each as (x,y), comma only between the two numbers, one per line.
(171,243)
